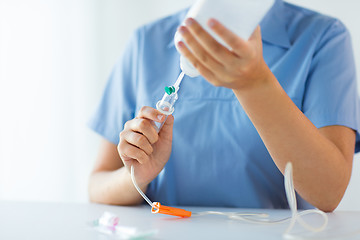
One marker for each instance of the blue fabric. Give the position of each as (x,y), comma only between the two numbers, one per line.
(218,158)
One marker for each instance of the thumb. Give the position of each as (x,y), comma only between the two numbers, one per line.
(256,35)
(167,129)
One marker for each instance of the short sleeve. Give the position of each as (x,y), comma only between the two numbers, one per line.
(331,95)
(117,105)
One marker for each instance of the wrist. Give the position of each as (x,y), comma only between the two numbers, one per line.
(262,81)
(126,172)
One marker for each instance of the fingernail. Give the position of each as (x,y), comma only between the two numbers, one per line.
(160,117)
(189,21)
(182,30)
(212,23)
(180,44)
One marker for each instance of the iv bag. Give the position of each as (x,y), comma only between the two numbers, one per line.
(239,16)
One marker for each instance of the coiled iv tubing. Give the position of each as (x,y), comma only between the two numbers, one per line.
(262,218)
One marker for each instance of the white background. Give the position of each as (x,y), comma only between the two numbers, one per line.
(55,57)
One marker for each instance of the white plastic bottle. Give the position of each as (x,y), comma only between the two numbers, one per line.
(240,16)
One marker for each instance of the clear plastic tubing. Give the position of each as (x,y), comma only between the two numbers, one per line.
(138,188)
(263,218)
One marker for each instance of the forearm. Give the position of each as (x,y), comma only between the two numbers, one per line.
(113,187)
(321,173)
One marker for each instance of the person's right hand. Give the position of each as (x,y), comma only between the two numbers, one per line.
(140,144)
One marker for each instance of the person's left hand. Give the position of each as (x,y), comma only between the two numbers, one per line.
(238,69)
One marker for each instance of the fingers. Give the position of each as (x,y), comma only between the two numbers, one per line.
(129,152)
(210,44)
(151,114)
(203,46)
(144,127)
(237,44)
(139,135)
(203,70)
(138,140)
(143,123)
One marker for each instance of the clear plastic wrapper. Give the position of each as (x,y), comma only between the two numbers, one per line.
(108,224)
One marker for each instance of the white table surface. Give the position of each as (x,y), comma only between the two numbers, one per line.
(26,220)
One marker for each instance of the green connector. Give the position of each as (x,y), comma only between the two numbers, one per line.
(170,90)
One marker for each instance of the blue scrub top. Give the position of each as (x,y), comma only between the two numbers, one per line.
(218,158)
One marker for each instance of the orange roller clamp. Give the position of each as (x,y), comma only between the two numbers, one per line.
(158,208)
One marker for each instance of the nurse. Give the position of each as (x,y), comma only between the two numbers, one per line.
(289,93)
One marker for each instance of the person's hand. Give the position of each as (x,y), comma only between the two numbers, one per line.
(239,68)
(140,145)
